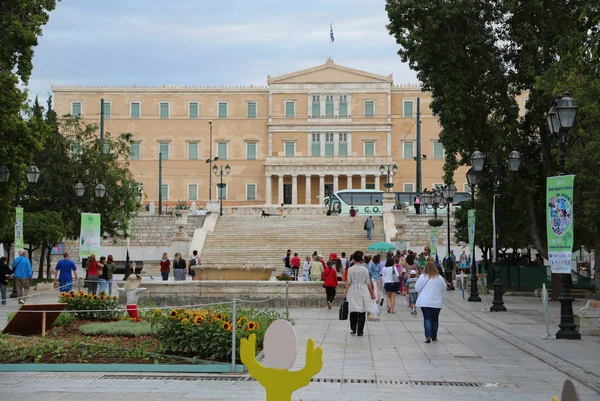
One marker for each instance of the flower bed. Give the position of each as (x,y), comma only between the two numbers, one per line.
(91,307)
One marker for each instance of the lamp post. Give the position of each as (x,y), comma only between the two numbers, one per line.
(472,181)
(561,118)
(210,161)
(449,192)
(433,200)
(221,185)
(392,170)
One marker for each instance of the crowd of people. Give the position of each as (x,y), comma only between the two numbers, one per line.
(180,266)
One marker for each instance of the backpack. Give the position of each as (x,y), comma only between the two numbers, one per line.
(192,262)
(365,226)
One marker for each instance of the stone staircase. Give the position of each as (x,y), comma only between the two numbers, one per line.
(253,240)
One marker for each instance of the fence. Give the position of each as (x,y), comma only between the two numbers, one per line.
(530,278)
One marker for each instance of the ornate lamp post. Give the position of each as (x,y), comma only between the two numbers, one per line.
(221,185)
(449,192)
(561,118)
(472,181)
(392,170)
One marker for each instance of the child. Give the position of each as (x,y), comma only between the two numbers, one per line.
(306,268)
(412,292)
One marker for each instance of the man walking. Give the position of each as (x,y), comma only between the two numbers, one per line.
(22,274)
(352,214)
(370,225)
(63,273)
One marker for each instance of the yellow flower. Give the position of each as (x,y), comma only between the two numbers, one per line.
(219,316)
(173,314)
(185,321)
(71,292)
(101,297)
(199,319)
(157,313)
(72,296)
(226,326)
(114,297)
(62,294)
(80,293)
(252,326)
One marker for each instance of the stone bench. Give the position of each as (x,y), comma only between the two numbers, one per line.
(588,319)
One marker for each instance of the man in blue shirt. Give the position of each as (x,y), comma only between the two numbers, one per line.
(63,274)
(22,273)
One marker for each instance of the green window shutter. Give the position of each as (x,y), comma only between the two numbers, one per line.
(135,151)
(135,110)
(192,192)
(438,151)
(408,109)
(369,108)
(251,151)
(328,148)
(222,150)
(343,109)
(369,148)
(106,110)
(193,150)
(164,149)
(76,109)
(164,110)
(343,149)
(250,192)
(193,112)
(289,109)
(316,148)
(222,191)
(316,109)
(290,149)
(329,109)
(222,110)
(408,150)
(409,188)
(251,110)
(164,190)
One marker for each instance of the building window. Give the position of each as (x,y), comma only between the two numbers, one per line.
(163,148)
(343,144)
(193,150)
(193,192)
(316,144)
(329,144)
(466,188)
(369,108)
(408,150)
(438,150)
(408,109)
(316,106)
(107,109)
(222,110)
(135,151)
(164,110)
(525,101)
(76,109)
(409,187)
(222,150)
(370,185)
(250,191)
(370,148)
(290,109)
(106,148)
(164,191)
(251,109)
(75,149)
(343,106)
(290,149)
(329,106)
(134,109)
(193,110)
(222,191)
(250,150)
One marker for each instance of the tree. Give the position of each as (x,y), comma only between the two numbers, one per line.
(42,229)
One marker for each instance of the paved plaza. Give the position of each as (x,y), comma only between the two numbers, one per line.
(480,356)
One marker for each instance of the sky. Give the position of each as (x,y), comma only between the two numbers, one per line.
(197,42)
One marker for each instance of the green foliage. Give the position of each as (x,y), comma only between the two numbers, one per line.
(64,319)
(124,328)
(91,307)
(43,228)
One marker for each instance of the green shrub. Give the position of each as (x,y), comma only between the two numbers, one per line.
(121,328)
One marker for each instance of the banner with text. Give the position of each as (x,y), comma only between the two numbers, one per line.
(559,204)
(89,237)
(19,241)
(433,240)
(471,224)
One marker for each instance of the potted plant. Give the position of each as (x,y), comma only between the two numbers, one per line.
(400,212)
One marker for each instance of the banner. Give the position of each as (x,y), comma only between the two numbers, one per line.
(89,237)
(433,240)
(19,242)
(471,224)
(559,204)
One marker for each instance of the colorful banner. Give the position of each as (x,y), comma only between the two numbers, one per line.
(89,237)
(433,240)
(19,241)
(559,204)
(471,227)
(58,249)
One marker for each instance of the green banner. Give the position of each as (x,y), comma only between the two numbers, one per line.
(433,240)
(89,237)
(19,242)
(471,223)
(559,204)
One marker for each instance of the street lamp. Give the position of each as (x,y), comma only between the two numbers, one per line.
(210,161)
(32,173)
(392,170)
(433,200)
(561,118)
(221,173)
(99,190)
(449,192)
(472,181)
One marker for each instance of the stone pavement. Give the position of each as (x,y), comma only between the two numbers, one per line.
(480,356)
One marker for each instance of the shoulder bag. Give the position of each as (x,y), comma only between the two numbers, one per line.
(395,278)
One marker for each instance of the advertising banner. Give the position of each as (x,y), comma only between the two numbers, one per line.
(433,240)
(89,237)
(19,242)
(471,224)
(559,204)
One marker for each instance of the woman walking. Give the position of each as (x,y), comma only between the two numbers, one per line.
(375,277)
(91,266)
(110,270)
(165,266)
(179,267)
(359,293)
(330,282)
(430,287)
(391,284)
(103,275)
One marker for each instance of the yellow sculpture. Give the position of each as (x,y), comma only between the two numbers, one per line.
(279,384)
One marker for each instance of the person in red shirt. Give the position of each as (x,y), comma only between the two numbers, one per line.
(330,282)
(295,263)
(165,266)
(352,214)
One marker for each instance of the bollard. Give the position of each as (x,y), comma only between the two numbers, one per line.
(233,335)
(287,292)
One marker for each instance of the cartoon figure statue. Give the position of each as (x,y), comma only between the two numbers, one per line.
(281,349)
(133,294)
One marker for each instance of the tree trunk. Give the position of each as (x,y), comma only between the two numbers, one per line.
(537,235)
(597,266)
(48,261)
(41,264)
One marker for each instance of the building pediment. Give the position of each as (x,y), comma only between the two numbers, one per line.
(329,72)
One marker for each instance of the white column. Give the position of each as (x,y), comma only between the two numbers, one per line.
(363,181)
(336,183)
(294,189)
(377,181)
(280,190)
(336,141)
(389,144)
(349,181)
(270,144)
(389,107)
(349,141)
(308,189)
(322,143)
(321,188)
(269,190)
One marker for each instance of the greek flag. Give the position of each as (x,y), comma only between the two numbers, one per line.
(331,32)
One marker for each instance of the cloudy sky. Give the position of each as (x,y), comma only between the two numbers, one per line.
(229,42)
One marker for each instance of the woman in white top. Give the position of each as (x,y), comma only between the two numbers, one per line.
(359,293)
(430,287)
(391,284)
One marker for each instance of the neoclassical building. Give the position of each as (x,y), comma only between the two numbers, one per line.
(295,140)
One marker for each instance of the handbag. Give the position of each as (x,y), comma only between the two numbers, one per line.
(343,314)
(395,278)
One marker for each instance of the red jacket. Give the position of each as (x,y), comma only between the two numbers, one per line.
(330,277)
(165,266)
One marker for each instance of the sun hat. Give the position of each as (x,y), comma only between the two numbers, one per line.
(133,282)
(413,272)
(333,256)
